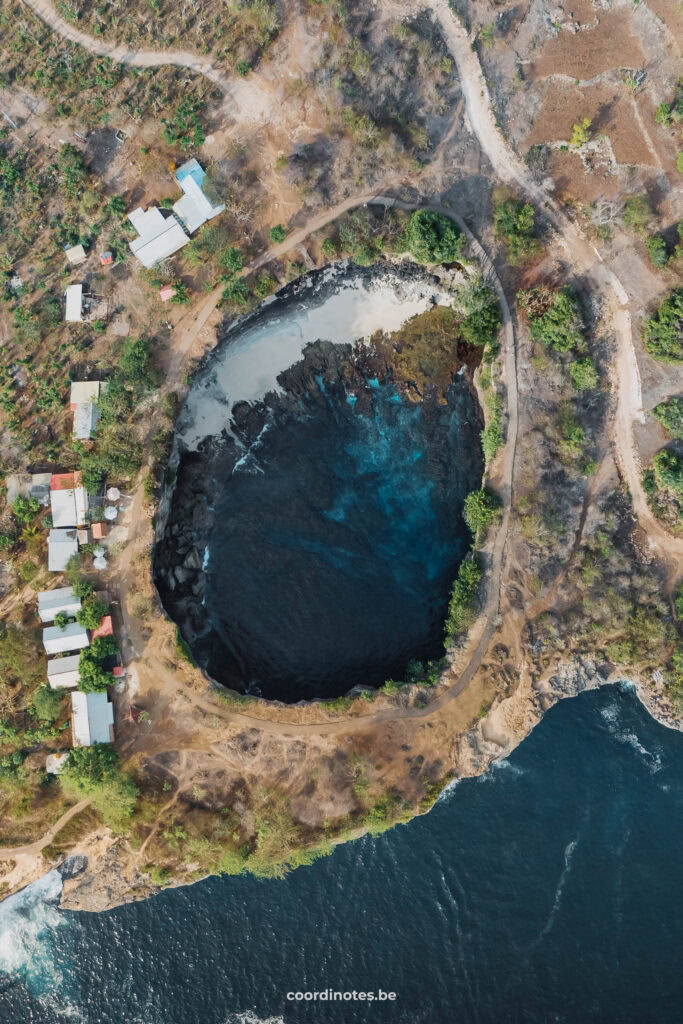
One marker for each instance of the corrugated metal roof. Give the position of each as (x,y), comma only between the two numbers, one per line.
(72,638)
(61,546)
(51,602)
(86,416)
(92,718)
(69,506)
(159,237)
(84,391)
(74,304)
(195,208)
(63,672)
(76,254)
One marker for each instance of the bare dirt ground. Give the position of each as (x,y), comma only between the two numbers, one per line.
(193,737)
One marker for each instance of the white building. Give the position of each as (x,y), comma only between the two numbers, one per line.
(63,672)
(73,637)
(61,546)
(73,313)
(84,396)
(68,500)
(76,254)
(195,207)
(159,237)
(92,719)
(52,602)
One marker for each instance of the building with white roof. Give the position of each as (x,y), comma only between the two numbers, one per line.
(195,207)
(52,602)
(63,672)
(159,237)
(84,391)
(92,719)
(73,313)
(76,254)
(61,546)
(84,396)
(86,417)
(68,500)
(73,637)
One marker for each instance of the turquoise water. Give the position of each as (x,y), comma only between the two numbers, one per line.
(548,890)
(336,541)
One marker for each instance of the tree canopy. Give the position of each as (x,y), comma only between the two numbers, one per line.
(433,238)
(663,332)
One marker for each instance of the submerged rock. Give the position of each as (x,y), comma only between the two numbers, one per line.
(328,515)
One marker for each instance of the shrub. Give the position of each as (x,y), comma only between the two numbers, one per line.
(462,604)
(24,509)
(583,374)
(61,620)
(482,322)
(670,415)
(637,213)
(231,259)
(433,238)
(581,132)
(93,677)
(492,435)
(573,437)
(94,772)
(668,469)
(663,114)
(278,233)
(47,704)
(559,326)
(514,222)
(664,332)
(235,293)
(91,613)
(481,509)
(656,250)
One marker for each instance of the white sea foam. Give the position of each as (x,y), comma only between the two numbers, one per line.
(250,364)
(26,921)
(249,1017)
(612,717)
(568,854)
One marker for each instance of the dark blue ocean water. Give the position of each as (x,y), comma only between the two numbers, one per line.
(336,541)
(546,892)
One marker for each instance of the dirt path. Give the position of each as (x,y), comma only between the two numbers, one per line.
(582,256)
(243,98)
(40,844)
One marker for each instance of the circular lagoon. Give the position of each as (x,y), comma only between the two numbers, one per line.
(313,527)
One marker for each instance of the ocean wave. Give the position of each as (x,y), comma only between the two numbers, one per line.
(249,1017)
(26,921)
(611,714)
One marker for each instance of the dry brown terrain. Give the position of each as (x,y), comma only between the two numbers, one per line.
(194,754)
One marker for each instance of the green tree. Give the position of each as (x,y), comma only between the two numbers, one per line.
(482,508)
(668,470)
(135,366)
(462,604)
(236,293)
(433,238)
(656,250)
(663,332)
(278,233)
(61,620)
(583,374)
(95,773)
(231,259)
(559,325)
(514,222)
(116,206)
(670,415)
(482,322)
(47,704)
(637,213)
(93,678)
(91,613)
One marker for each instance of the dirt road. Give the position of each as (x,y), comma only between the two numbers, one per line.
(582,256)
(40,844)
